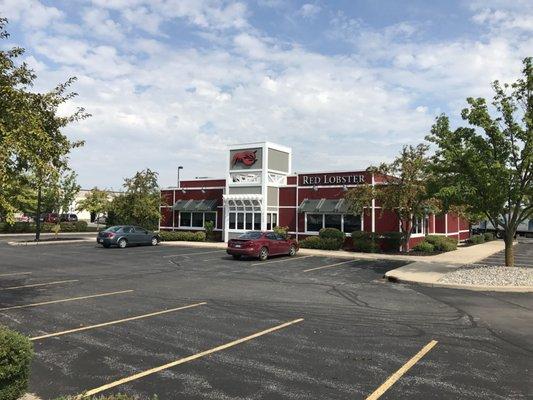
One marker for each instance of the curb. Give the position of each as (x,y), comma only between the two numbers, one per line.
(508,289)
(28,243)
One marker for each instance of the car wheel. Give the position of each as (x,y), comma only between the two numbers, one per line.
(122,243)
(292,251)
(236,256)
(263,253)
(154,241)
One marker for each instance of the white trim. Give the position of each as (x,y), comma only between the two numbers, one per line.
(373,208)
(176,189)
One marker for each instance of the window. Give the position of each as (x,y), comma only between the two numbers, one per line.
(352,223)
(257,221)
(198,220)
(240,220)
(211,217)
(185,219)
(248,217)
(232,219)
(418,226)
(333,221)
(343,222)
(314,222)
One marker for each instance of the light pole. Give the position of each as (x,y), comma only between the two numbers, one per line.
(179,168)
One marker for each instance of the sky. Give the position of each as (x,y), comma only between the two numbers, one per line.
(345,83)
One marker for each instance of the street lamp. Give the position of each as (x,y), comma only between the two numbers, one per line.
(180,167)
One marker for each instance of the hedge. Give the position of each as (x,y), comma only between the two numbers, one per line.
(27,227)
(182,236)
(424,247)
(441,243)
(365,242)
(16,352)
(316,242)
(489,236)
(477,239)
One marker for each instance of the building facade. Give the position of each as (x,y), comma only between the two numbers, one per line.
(259,191)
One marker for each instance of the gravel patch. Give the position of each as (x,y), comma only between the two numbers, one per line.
(489,275)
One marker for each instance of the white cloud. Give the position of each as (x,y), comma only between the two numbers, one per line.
(155,104)
(30,13)
(309,10)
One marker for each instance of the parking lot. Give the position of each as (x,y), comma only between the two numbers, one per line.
(192,323)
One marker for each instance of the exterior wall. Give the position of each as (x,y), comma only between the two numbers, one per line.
(285,199)
(278,160)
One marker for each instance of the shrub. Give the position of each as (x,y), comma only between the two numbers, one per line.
(477,239)
(209,227)
(392,240)
(424,247)
(81,226)
(331,233)
(16,353)
(316,242)
(489,236)
(182,236)
(442,243)
(282,230)
(366,246)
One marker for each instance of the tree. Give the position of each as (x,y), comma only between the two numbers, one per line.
(96,201)
(31,140)
(487,167)
(61,194)
(402,188)
(139,204)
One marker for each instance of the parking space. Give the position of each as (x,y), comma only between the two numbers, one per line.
(194,323)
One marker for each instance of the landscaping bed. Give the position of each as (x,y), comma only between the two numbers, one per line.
(489,275)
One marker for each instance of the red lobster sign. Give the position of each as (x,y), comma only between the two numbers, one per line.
(247,157)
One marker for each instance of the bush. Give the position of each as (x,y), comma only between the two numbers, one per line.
(365,246)
(442,243)
(392,240)
(282,230)
(16,353)
(316,242)
(477,239)
(424,247)
(331,233)
(209,227)
(27,227)
(182,236)
(489,236)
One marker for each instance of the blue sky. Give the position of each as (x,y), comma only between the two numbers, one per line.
(345,83)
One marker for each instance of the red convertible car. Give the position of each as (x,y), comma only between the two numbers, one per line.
(261,245)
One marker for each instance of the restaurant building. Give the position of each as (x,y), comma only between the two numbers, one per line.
(260,191)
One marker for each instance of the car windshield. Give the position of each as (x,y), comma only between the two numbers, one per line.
(250,235)
(113,229)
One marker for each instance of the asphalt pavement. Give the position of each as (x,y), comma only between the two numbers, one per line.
(192,323)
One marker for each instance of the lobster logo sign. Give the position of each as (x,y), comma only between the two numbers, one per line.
(247,157)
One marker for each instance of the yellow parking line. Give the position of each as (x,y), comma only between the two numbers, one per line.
(16,273)
(64,300)
(192,254)
(328,266)
(398,374)
(38,284)
(118,321)
(189,358)
(282,260)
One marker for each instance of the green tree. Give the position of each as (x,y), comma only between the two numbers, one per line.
(139,204)
(402,188)
(487,167)
(31,140)
(96,201)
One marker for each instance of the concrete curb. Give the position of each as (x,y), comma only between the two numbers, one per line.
(509,289)
(47,234)
(28,243)
(205,245)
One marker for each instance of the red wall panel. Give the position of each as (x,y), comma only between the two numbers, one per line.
(203,183)
(386,221)
(440,224)
(287,196)
(166,197)
(166,216)
(287,217)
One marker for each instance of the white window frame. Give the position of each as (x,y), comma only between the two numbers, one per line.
(324,223)
(203,220)
(235,229)
(419,227)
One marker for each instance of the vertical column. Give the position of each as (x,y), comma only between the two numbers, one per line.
(173,212)
(225,215)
